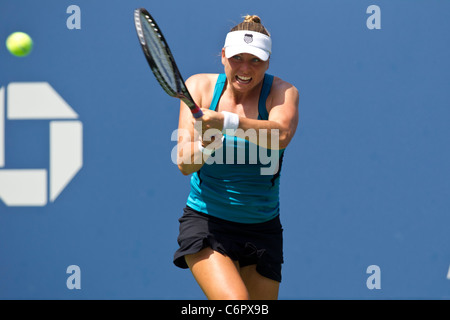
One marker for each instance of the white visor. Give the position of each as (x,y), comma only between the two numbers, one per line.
(244,41)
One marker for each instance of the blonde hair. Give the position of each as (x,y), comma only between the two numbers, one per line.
(251,23)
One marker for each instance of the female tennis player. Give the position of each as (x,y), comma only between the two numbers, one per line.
(230,232)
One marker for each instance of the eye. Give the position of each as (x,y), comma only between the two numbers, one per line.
(256,60)
(237,57)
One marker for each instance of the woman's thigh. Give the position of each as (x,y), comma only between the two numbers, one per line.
(217,275)
(258,286)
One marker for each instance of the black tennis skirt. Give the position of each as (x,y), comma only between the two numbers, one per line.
(256,243)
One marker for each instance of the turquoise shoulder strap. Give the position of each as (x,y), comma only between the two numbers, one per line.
(262,109)
(221,80)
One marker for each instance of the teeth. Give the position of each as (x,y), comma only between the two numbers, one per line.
(243,79)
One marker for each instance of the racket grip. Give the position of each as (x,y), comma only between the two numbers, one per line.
(197,112)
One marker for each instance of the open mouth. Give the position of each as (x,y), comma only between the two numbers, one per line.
(243,80)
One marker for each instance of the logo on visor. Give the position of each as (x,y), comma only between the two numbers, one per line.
(248,38)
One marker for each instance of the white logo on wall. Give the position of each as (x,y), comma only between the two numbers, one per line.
(39,101)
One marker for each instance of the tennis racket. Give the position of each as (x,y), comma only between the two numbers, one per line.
(161,60)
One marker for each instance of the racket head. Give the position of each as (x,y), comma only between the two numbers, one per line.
(161,60)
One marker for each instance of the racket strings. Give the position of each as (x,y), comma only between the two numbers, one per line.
(160,59)
(163,62)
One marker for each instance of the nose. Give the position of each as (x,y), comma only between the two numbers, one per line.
(245,67)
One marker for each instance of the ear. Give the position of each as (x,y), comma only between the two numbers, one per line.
(223,56)
(268,64)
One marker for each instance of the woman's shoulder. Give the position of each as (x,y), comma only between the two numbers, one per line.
(201,87)
(279,85)
(282,92)
(202,81)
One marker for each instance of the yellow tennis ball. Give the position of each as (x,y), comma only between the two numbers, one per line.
(19,44)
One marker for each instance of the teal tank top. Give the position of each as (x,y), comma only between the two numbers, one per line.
(240,181)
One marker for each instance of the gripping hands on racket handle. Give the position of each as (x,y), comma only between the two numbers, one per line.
(161,60)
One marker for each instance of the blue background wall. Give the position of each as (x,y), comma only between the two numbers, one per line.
(366,180)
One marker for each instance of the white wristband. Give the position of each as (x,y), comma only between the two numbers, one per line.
(230,122)
(204,150)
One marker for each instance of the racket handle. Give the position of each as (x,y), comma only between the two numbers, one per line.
(196,112)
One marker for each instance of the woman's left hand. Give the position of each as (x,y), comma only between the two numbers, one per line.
(210,123)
